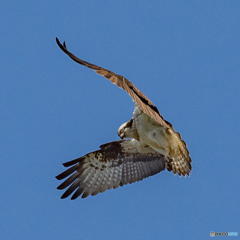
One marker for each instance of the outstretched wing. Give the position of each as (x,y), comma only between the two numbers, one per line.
(115,164)
(138,97)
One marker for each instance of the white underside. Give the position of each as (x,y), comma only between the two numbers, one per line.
(150,132)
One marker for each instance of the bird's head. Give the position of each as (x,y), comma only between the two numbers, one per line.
(126,130)
(122,130)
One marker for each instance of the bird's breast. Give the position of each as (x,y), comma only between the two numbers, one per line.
(153,134)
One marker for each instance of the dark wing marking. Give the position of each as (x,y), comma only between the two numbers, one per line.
(138,97)
(115,164)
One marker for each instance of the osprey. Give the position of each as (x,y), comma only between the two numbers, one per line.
(148,145)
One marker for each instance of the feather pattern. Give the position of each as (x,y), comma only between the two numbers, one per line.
(154,146)
(138,97)
(115,164)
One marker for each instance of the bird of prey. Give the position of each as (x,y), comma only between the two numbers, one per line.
(148,145)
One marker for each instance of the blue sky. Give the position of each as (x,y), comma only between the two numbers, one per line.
(184,55)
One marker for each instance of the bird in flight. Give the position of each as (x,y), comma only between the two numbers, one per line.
(148,145)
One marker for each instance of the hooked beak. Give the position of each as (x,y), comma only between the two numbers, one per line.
(121,135)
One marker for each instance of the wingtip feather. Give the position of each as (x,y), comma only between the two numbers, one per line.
(61,45)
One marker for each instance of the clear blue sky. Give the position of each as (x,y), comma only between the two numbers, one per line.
(184,55)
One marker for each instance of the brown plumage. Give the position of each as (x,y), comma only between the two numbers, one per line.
(138,97)
(115,164)
(153,146)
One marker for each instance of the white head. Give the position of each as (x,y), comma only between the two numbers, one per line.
(127,130)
